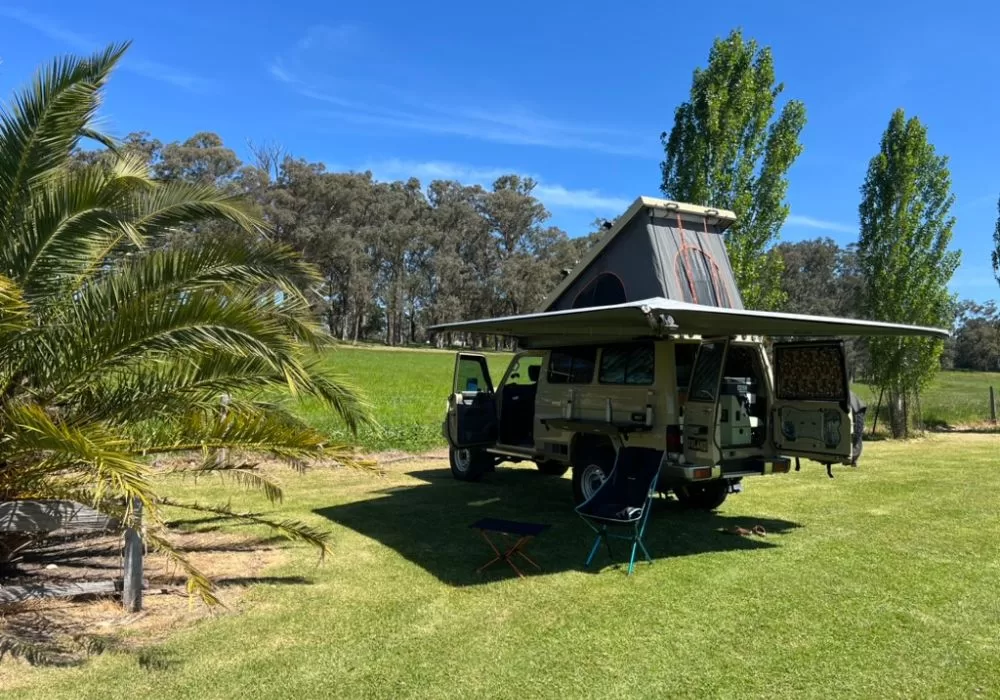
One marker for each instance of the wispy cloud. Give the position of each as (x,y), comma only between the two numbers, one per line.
(316,66)
(821,224)
(552,195)
(592,200)
(78,42)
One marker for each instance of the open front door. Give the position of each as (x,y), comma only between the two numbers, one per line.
(812,408)
(701,412)
(472,408)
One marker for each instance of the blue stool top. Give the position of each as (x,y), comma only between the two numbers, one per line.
(510,527)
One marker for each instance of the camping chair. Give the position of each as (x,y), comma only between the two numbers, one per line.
(623,501)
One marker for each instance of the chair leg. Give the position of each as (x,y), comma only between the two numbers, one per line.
(645,551)
(593,550)
(631,561)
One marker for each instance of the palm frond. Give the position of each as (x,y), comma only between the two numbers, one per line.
(77,457)
(290,529)
(45,122)
(162,210)
(244,474)
(197,581)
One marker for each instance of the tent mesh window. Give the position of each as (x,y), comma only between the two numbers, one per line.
(604,290)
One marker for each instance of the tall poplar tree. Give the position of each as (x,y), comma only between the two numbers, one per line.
(727,149)
(906,227)
(996,247)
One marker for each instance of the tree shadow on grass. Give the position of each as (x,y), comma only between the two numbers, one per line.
(429,524)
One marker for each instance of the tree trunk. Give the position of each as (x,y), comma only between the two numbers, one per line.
(897,413)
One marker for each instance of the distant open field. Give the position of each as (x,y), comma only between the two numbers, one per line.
(409,388)
(880,583)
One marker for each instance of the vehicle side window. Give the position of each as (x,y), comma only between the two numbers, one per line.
(525,372)
(627,364)
(684,361)
(571,366)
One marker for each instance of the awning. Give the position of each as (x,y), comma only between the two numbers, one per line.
(659,317)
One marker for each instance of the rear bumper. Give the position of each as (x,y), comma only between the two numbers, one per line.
(733,470)
(687,472)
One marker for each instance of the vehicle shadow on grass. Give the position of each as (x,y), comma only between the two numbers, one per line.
(429,524)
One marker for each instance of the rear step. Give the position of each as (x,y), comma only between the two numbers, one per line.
(755,466)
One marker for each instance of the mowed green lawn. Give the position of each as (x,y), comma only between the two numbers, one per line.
(409,389)
(879,583)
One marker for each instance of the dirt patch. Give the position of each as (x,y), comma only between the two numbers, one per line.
(64,632)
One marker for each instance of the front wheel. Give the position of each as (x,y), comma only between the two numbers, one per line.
(706,495)
(468,464)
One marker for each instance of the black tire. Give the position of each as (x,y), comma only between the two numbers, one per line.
(706,495)
(552,468)
(591,466)
(469,464)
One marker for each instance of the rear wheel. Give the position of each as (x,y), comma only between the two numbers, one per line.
(707,495)
(468,464)
(552,468)
(590,469)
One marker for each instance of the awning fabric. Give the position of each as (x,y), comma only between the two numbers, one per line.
(658,317)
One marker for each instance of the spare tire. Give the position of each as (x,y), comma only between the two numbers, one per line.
(591,466)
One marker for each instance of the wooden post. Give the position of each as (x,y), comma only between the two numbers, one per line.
(993,405)
(223,454)
(132,585)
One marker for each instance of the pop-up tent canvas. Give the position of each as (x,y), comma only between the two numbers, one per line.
(659,249)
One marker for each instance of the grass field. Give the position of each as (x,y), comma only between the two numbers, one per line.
(879,583)
(408,390)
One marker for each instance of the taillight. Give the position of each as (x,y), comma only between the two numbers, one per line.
(674,439)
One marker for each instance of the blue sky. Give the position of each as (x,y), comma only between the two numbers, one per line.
(573,94)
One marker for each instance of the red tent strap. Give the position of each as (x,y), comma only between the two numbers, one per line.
(683,251)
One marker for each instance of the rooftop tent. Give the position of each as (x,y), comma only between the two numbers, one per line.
(656,249)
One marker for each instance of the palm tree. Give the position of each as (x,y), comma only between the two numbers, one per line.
(116,346)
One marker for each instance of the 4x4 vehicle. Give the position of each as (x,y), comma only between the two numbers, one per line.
(646,341)
(715,408)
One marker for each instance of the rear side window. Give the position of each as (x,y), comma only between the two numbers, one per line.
(627,364)
(707,368)
(571,366)
(684,361)
(810,373)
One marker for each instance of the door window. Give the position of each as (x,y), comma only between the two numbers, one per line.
(525,371)
(472,375)
(707,367)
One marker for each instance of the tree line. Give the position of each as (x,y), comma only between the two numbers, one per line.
(395,257)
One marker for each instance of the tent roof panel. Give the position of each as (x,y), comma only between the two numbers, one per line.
(722,218)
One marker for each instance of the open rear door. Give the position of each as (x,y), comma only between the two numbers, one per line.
(812,407)
(701,412)
(472,407)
